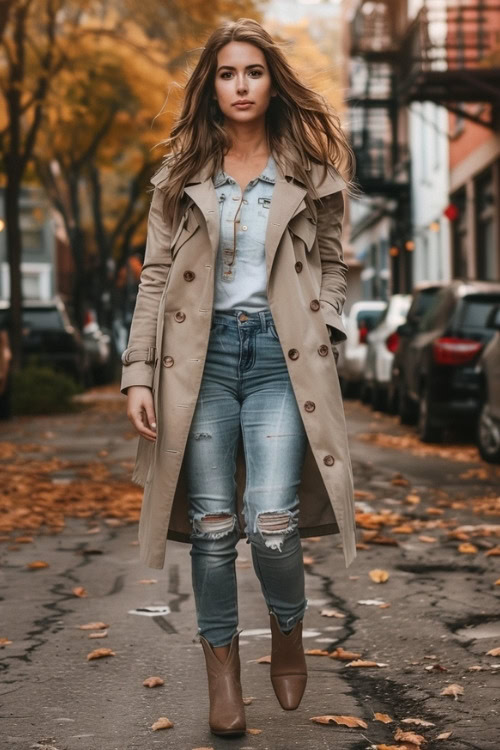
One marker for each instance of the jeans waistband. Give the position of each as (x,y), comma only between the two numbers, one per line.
(239,317)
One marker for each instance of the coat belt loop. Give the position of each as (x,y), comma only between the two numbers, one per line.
(263,321)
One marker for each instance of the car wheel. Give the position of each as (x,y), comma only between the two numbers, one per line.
(488,436)
(428,430)
(408,413)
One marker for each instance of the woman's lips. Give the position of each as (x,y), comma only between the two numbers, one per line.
(243,106)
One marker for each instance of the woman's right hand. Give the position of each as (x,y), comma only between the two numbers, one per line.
(140,410)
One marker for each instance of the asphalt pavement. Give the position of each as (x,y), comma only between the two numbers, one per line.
(428,627)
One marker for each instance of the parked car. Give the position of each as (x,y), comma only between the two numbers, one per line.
(382,343)
(362,318)
(49,334)
(488,423)
(397,399)
(441,373)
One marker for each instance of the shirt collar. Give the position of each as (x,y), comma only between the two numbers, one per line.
(268,174)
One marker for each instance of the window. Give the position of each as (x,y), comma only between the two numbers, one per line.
(486,246)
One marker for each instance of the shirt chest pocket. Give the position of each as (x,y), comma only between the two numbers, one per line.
(186,229)
(303,226)
(256,215)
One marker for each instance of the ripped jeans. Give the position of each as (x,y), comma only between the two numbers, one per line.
(245,386)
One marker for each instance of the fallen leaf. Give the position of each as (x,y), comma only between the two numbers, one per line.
(377,602)
(162,723)
(382,717)
(23,539)
(493,552)
(308,560)
(497,582)
(264,659)
(348,721)
(254,731)
(444,735)
(79,591)
(331,613)
(100,634)
(493,652)
(420,722)
(467,548)
(4,642)
(249,700)
(93,626)
(453,689)
(417,739)
(365,663)
(436,668)
(316,652)
(405,528)
(152,682)
(148,580)
(427,539)
(378,575)
(339,653)
(99,653)
(37,564)
(413,499)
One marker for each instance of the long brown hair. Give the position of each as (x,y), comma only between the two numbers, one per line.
(297,117)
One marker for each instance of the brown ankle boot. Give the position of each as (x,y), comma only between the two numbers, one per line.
(227,710)
(288,664)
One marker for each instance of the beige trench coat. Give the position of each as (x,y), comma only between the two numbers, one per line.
(169,336)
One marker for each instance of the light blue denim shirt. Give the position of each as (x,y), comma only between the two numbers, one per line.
(240,271)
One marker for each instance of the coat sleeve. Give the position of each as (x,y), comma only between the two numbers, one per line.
(139,357)
(333,268)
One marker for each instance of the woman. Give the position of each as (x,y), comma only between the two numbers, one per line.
(243,283)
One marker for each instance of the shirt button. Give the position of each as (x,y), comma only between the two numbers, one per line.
(298,266)
(329,460)
(293,353)
(314,305)
(168,361)
(180,316)
(244,228)
(189,275)
(323,350)
(309,406)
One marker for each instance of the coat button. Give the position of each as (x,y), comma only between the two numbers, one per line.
(293,353)
(180,316)
(309,406)
(323,350)
(329,460)
(298,266)
(189,275)
(167,360)
(315,305)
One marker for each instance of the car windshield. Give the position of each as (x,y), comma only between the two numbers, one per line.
(476,310)
(368,318)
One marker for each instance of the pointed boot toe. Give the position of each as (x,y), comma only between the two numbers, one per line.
(227,710)
(288,664)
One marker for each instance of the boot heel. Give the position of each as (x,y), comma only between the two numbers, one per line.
(227,710)
(288,665)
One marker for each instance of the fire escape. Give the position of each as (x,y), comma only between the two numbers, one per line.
(449,54)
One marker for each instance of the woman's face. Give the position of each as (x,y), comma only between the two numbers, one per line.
(242,74)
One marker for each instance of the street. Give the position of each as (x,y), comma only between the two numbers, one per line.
(428,519)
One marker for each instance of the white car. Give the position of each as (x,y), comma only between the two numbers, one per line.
(382,343)
(362,318)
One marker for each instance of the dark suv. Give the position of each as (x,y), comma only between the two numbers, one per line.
(441,375)
(398,401)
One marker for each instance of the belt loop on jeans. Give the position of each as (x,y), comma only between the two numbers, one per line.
(263,321)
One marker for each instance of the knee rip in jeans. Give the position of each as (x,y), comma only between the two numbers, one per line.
(274,527)
(215,525)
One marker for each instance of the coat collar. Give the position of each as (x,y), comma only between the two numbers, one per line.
(287,201)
